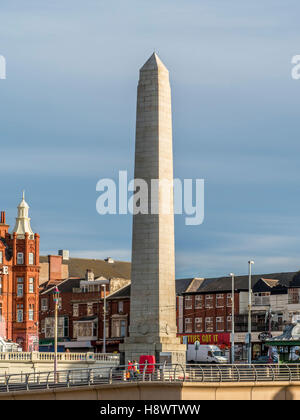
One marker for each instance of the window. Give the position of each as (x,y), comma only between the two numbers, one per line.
(19,313)
(1,285)
(20,286)
(0,310)
(89,309)
(30,258)
(261,298)
(229,323)
(75,309)
(62,326)
(122,328)
(198,301)
(20,258)
(209,325)
(208,301)
(44,304)
(31,285)
(66,326)
(120,307)
(42,326)
(220,300)
(119,328)
(188,325)
(31,312)
(84,329)
(95,329)
(198,325)
(188,302)
(293,295)
(220,323)
(229,300)
(107,328)
(49,327)
(1,257)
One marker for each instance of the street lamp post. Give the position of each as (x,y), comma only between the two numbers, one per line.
(56,299)
(104,319)
(232,317)
(249,312)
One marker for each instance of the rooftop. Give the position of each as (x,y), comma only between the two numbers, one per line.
(78,267)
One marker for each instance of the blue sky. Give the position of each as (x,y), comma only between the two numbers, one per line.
(67,119)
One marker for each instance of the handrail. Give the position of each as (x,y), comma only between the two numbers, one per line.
(238,372)
(273,373)
(161,373)
(175,372)
(255,372)
(220,373)
(27,379)
(290,376)
(202,371)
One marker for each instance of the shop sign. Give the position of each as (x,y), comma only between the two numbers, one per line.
(215,338)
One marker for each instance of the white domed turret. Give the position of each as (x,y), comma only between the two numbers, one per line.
(22,225)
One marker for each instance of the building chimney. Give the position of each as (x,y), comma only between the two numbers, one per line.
(89,275)
(64,253)
(2,219)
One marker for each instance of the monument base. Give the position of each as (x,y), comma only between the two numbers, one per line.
(170,351)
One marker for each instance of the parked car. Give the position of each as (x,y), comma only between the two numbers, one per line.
(264,360)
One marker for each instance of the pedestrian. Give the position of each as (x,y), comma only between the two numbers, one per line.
(135,368)
(129,370)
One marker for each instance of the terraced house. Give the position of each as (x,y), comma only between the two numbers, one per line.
(207,310)
(80,311)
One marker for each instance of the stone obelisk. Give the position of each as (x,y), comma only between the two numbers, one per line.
(152,329)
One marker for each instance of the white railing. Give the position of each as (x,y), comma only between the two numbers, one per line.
(61,357)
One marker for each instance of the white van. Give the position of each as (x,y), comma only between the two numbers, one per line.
(205,354)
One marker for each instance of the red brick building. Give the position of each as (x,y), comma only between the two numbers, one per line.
(19,280)
(80,312)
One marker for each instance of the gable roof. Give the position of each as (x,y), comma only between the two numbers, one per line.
(63,286)
(123,292)
(270,282)
(296,280)
(195,285)
(182,284)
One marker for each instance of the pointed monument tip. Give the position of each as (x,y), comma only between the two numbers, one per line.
(154,63)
